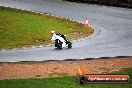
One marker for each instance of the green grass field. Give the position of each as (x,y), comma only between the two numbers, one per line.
(21,28)
(60,82)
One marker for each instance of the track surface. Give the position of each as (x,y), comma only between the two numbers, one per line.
(113,36)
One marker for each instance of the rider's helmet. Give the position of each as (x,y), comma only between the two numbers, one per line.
(52,32)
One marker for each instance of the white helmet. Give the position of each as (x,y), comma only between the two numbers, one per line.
(52,32)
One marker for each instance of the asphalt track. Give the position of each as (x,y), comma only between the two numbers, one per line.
(113,36)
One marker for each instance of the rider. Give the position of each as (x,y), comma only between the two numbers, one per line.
(61,37)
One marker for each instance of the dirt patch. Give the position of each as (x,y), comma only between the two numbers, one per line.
(62,68)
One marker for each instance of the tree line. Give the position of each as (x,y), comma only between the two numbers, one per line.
(120,3)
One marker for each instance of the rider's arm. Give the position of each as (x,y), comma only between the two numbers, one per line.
(53,37)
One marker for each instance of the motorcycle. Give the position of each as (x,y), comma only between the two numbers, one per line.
(61,41)
(58,44)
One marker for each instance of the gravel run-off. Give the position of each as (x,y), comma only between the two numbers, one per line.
(62,68)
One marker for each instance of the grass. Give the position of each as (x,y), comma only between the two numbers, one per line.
(60,82)
(22,28)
